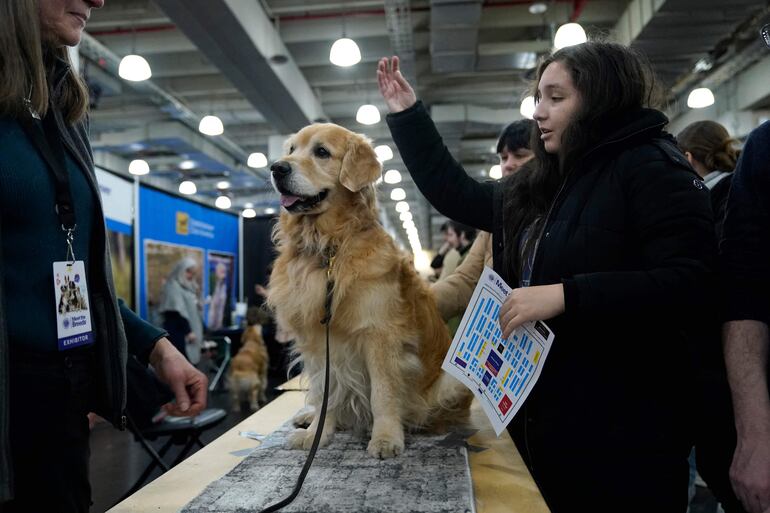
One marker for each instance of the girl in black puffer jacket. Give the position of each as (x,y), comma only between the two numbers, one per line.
(610,238)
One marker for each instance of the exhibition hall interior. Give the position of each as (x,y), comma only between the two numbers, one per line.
(191,105)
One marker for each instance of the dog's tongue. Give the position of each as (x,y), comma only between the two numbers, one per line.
(287,201)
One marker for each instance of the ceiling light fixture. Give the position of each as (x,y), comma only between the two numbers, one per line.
(569,34)
(211,125)
(405,216)
(188,187)
(269,211)
(398,194)
(257,160)
(187,164)
(496,172)
(138,167)
(368,115)
(383,151)
(344,53)
(134,68)
(223,202)
(392,176)
(224,184)
(248,213)
(527,108)
(538,8)
(700,98)
(402,206)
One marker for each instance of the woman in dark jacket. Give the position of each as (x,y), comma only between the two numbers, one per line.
(610,239)
(48,383)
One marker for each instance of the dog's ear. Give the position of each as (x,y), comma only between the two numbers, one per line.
(360,166)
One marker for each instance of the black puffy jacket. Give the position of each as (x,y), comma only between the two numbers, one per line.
(630,235)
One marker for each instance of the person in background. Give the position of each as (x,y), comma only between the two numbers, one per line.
(745,260)
(50,216)
(446,256)
(181,309)
(460,237)
(218,301)
(454,291)
(610,240)
(712,153)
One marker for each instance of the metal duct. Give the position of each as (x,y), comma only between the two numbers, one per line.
(454,33)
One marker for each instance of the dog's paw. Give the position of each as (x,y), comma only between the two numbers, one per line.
(385,447)
(303,439)
(303,417)
(254,406)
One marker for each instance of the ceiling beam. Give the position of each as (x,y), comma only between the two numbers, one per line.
(240,38)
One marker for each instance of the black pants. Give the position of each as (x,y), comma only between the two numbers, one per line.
(49,403)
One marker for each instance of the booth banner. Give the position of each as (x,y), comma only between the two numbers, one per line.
(117,202)
(172,228)
(221,272)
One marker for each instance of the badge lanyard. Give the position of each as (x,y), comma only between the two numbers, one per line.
(46,139)
(73,319)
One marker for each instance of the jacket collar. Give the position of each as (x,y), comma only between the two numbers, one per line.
(636,126)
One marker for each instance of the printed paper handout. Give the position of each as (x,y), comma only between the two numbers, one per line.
(500,372)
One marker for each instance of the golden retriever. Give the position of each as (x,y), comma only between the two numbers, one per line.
(248,370)
(387,338)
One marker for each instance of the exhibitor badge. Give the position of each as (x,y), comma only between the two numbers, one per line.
(73,317)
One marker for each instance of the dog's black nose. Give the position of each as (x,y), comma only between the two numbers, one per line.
(280,168)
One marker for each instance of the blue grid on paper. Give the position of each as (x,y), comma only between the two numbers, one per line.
(519,355)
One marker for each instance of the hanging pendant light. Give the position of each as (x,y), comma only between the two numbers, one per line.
(134,68)
(398,194)
(527,108)
(257,160)
(700,98)
(138,167)
(344,53)
(383,151)
(368,115)
(187,187)
(211,125)
(223,202)
(569,34)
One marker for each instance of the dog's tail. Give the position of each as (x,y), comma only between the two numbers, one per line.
(449,404)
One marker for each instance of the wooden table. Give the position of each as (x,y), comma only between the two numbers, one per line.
(501,482)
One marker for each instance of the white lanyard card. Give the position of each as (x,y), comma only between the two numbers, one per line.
(73,317)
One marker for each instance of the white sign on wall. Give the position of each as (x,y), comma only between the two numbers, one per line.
(117,196)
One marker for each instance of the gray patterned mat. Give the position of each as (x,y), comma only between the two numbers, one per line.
(431,476)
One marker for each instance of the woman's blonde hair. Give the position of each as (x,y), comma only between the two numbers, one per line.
(709,143)
(23,62)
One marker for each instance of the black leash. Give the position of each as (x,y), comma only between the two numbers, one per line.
(329,262)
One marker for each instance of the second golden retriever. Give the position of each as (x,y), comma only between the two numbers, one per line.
(387,338)
(248,370)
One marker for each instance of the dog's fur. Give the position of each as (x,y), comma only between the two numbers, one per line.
(387,338)
(248,370)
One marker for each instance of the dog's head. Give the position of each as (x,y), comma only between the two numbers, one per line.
(323,160)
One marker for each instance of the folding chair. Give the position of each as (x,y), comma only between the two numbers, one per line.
(180,431)
(221,359)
